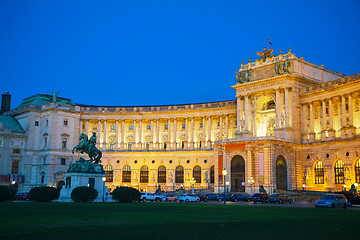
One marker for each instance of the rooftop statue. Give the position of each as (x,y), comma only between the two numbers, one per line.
(54,94)
(265,54)
(88,146)
(243,76)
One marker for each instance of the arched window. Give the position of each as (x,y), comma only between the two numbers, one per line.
(197,174)
(339,172)
(162,174)
(179,174)
(357,171)
(144,174)
(319,173)
(109,171)
(212,174)
(126,174)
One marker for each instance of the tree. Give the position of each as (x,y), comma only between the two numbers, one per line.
(126,194)
(44,194)
(84,194)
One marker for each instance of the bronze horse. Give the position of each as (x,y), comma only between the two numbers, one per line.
(86,146)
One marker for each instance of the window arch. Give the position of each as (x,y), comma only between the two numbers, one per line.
(109,171)
(357,171)
(197,174)
(179,174)
(339,172)
(212,174)
(319,173)
(162,174)
(144,174)
(126,174)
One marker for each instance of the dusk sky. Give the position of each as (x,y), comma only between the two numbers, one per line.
(126,53)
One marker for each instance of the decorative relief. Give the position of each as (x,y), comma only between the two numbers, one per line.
(356,105)
(316,114)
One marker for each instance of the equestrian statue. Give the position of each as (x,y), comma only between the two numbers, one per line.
(88,146)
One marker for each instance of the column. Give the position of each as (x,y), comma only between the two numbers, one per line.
(247,113)
(304,121)
(203,133)
(351,129)
(331,120)
(122,135)
(226,126)
(151,134)
(221,128)
(323,120)
(186,133)
(311,134)
(287,108)
(104,139)
(116,134)
(157,133)
(209,133)
(174,134)
(87,127)
(238,113)
(140,134)
(192,133)
(277,107)
(343,111)
(98,135)
(135,136)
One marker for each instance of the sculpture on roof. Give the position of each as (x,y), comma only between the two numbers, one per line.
(287,64)
(265,54)
(54,94)
(88,146)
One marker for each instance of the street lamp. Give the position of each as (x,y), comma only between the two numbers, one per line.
(303,186)
(251,181)
(224,172)
(192,182)
(103,195)
(344,187)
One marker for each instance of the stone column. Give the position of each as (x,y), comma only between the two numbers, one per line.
(311,134)
(104,139)
(99,134)
(238,113)
(169,133)
(287,108)
(192,133)
(323,122)
(351,129)
(221,127)
(135,137)
(174,135)
(116,134)
(209,133)
(157,133)
(226,126)
(87,127)
(247,113)
(343,116)
(122,134)
(304,121)
(140,134)
(277,107)
(203,133)
(151,134)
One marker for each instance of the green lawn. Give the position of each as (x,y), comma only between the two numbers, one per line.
(173,221)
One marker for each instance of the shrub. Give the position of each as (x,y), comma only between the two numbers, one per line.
(6,193)
(84,194)
(126,194)
(44,194)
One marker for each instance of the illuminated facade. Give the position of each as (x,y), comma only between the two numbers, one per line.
(289,126)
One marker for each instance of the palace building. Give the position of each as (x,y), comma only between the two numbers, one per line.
(292,125)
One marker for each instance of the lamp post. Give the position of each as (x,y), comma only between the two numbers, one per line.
(251,181)
(224,172)
(192,182)
(303,186)
(103,193)
(344,187)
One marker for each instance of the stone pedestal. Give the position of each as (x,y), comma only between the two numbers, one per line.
(82,173)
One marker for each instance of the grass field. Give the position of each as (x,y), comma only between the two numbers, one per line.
(173,221)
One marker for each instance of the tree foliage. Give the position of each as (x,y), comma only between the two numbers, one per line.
(6,193)
(84,194)
(44,194)
(126,194)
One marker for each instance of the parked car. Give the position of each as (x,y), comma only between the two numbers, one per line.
(221,197)
(332,201)
(145,196)
(351,197)
(241,197)
(211,196)
(202,197)
(169,198)
(22,196)
(280,198)
(189,198)
(260,197)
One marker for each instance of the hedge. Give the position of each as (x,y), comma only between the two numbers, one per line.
(84,194)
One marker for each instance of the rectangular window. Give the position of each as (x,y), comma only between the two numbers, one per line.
(15,167)
(166,126)
(131,127)
(148,127)
(36,123)
(112,146)
(130,145)
(63,161)
(201,125)
(64,142)
(16,151)
(65,122)
(92,182)
(113,127)
(183,126)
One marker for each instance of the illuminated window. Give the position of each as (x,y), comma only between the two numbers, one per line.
(319,173)
(183,126)
(144,174)
(339,172)
(16,151)
(112,146)
(113,127)
(130,145)
(179,174)
(126,174)
(357,171)
(197,174)
(148,127)
(109,171)
(212,174)
(162,174)
(166,126)
(131,127)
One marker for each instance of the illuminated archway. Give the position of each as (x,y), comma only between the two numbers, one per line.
(237,174)
(281,173)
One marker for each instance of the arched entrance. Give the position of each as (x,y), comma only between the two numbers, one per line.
(237,174)
(281,173)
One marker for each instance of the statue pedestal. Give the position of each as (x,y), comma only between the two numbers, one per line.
(84,174)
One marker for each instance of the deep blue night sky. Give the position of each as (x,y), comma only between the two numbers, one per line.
(162,52)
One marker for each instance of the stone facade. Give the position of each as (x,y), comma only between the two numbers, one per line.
(278,129)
